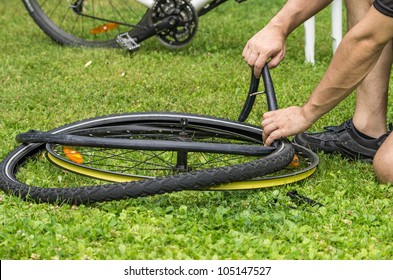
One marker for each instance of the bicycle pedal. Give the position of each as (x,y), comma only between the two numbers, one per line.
(127,42)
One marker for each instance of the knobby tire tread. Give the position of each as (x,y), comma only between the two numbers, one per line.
(187,181)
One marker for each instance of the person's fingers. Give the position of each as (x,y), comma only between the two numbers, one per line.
(273,63)
(257,71)
(259,64)
(268,115)
(264,137)
(254,59)
(275,60)
(266,120)
(251,58)
(275,135)
(268,129)
(246,50)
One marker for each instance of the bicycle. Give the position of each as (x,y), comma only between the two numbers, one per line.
(113,23)
(153,153)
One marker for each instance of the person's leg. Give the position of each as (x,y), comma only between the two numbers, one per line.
(371,95)
(361,136)
(383,161)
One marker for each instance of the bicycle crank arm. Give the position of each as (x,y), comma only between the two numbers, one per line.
(131,42)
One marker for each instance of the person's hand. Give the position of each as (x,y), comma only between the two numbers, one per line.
(283,123)
(268,45)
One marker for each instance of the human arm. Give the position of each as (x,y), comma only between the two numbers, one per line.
(269,43)
(353,60)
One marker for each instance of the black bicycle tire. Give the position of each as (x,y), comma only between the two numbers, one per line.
(185,181)
(60,36)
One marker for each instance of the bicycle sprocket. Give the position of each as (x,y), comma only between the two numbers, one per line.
(183,32)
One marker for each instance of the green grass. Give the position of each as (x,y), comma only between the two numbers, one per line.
(44,85)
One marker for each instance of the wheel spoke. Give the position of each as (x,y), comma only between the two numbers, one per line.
(87,23)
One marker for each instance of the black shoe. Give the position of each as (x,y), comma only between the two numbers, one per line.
(342,139)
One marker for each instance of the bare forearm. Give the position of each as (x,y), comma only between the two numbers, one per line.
(354,59)
(268,45)
(346,71)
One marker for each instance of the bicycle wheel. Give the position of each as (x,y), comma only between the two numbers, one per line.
(19,166)
(87,23)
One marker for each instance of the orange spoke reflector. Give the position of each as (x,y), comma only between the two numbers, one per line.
(73,155)
(295,161)
(104,28)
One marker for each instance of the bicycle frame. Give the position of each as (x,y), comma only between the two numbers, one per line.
(201,6)
(122,23)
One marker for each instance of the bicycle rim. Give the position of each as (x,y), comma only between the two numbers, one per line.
(308,162)
(86,23)
(163,148)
